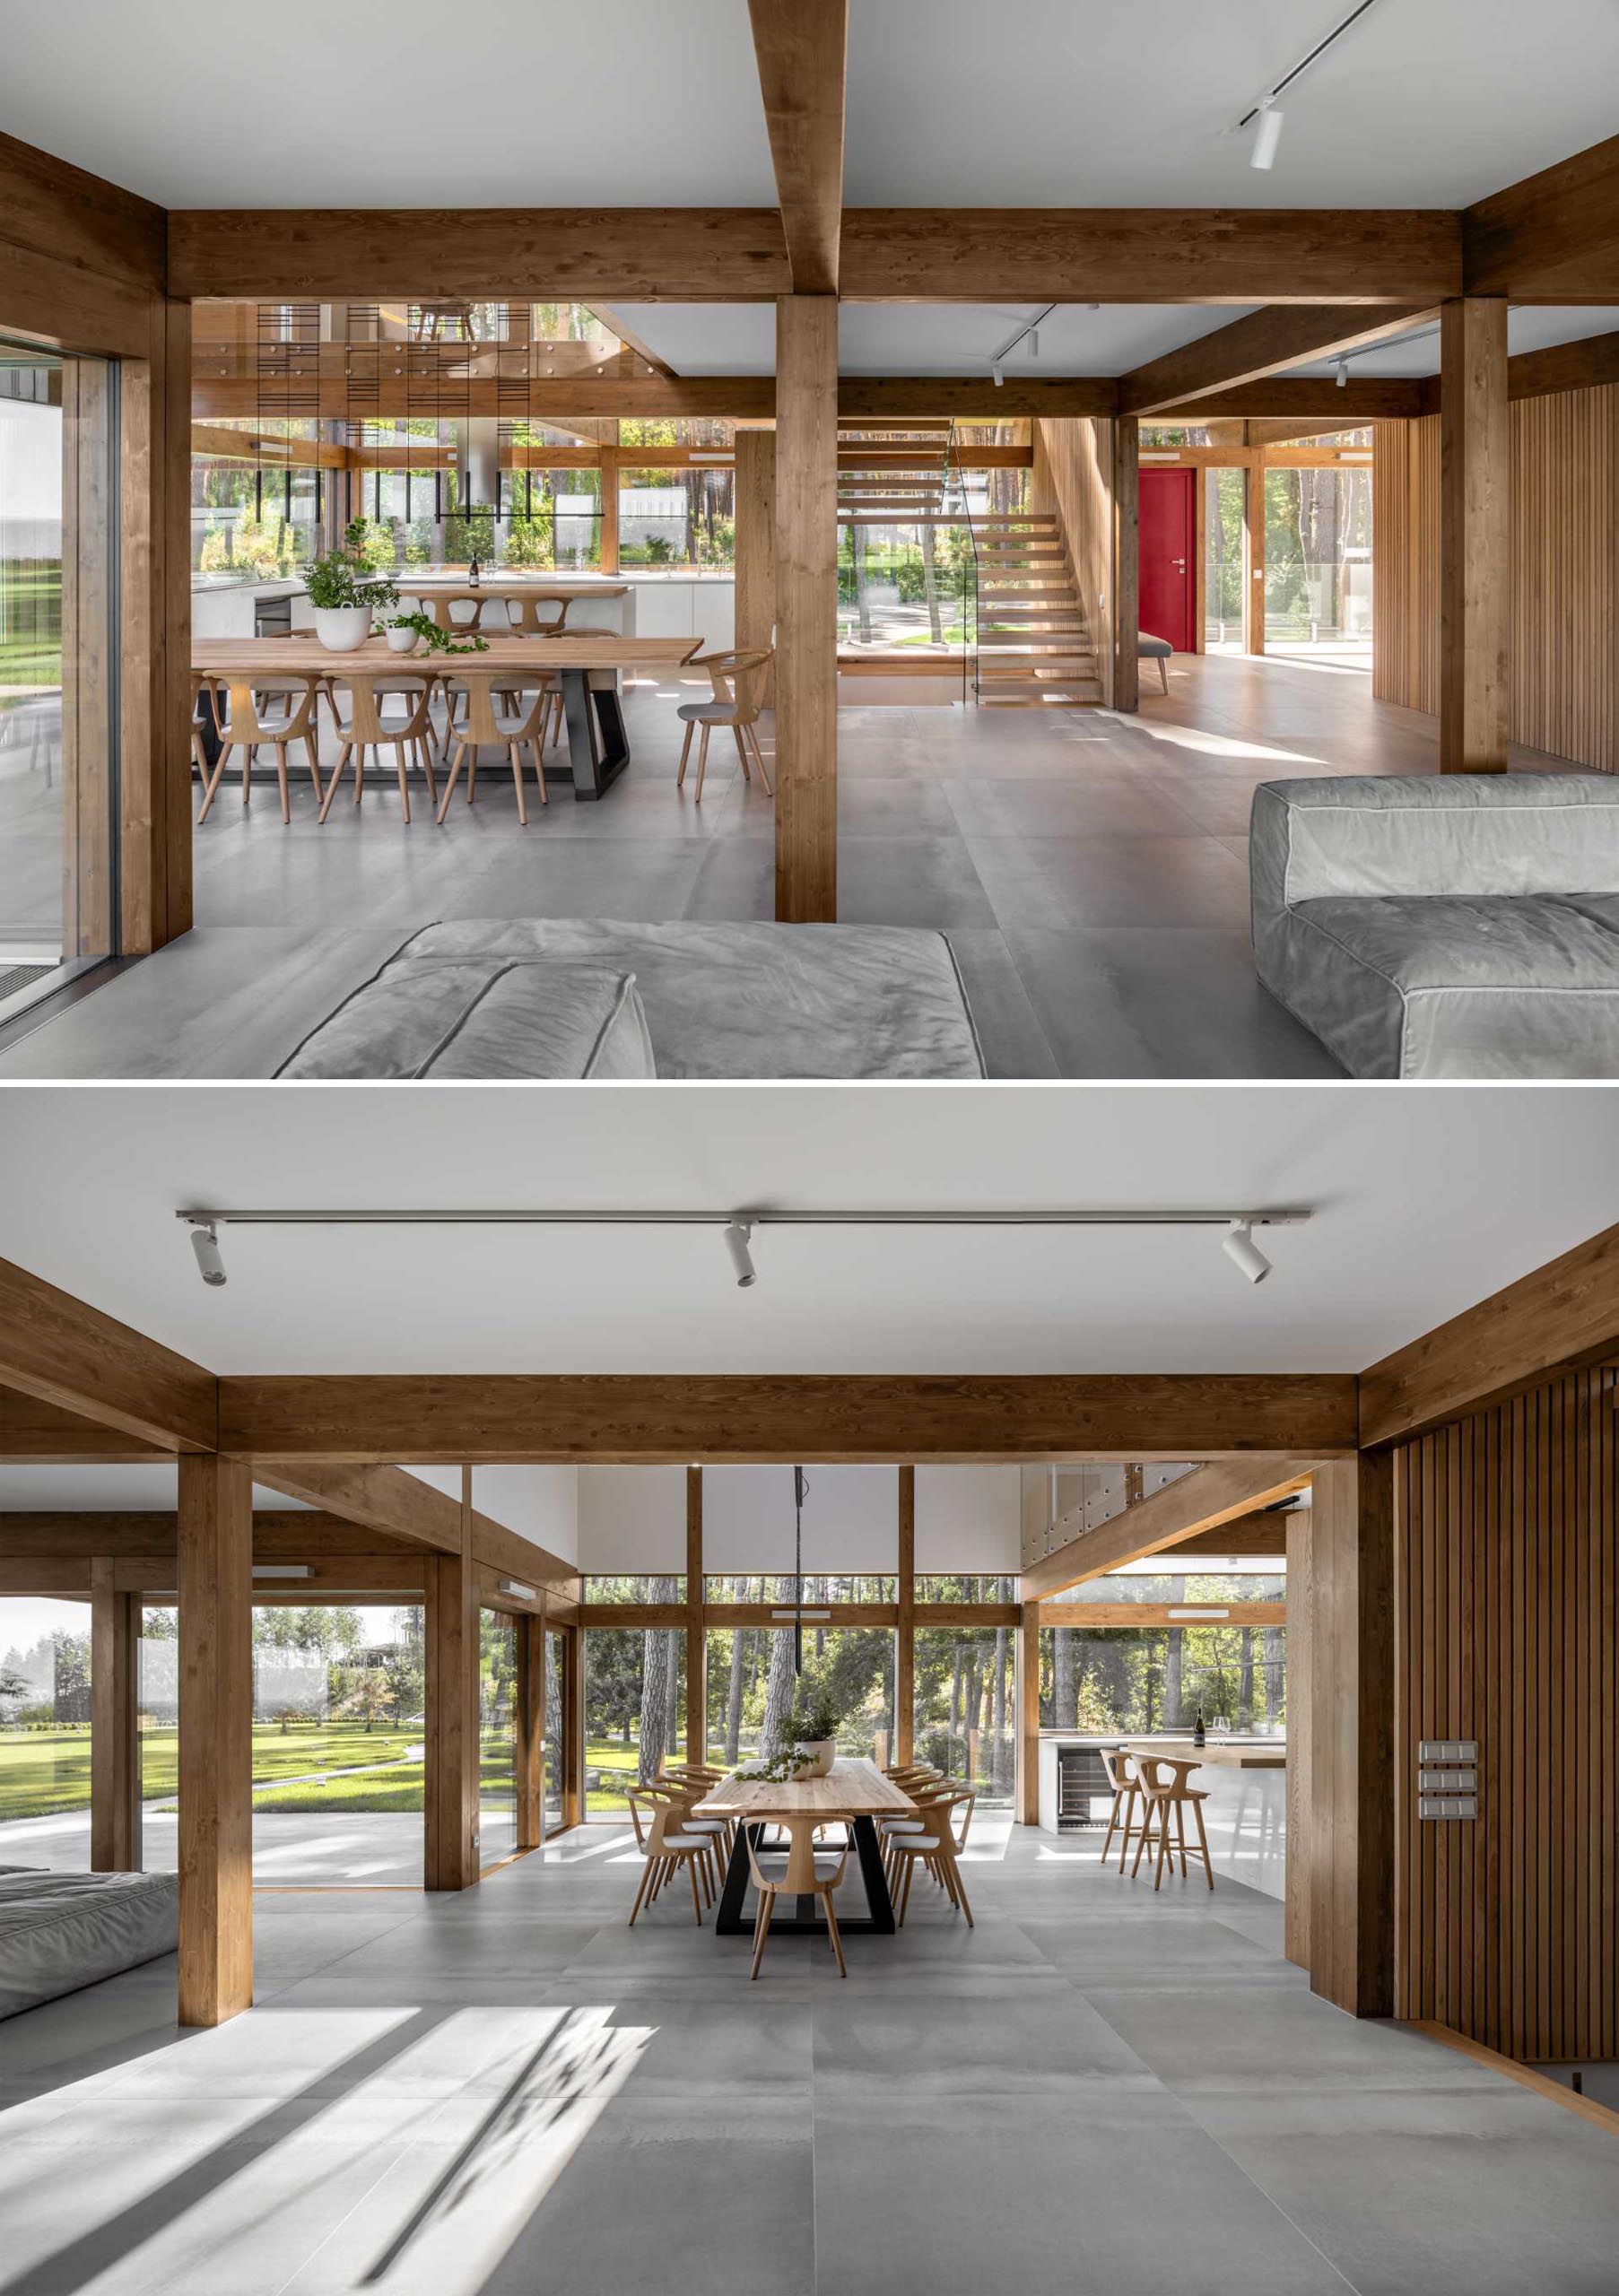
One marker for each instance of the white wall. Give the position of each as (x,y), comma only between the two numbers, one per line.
(968,1518)
(851,1518)
(539,1502)
(632,1519)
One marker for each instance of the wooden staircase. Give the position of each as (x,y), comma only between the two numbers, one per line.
(1033,648)
(891,473)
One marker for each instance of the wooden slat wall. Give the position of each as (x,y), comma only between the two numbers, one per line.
(1506,1570)
(1073,481)
(1565,694)
(1404,561)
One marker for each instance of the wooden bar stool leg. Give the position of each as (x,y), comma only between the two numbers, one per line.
(1141,1838)
(1203,1843)
(1180,1835)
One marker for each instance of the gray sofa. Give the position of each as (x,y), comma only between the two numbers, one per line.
(60,1931)
(1456,926)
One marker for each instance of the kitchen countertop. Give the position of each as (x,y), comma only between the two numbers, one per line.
(1227,1753)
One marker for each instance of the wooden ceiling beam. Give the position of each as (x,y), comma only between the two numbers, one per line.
(280,1534)
(802,50)
(750,398)
(633,254)
(63,1351)
(1555,1318)
(44,1435)
(387,1499)
(1225,1491)
(650,1419)
(1262,344)
(1368,398)
(1552,238)
(1149,255)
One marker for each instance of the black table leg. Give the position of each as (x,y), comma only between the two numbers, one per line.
(598,748)
(729,1920)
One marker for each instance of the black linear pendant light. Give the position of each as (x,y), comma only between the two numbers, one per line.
(800,1485)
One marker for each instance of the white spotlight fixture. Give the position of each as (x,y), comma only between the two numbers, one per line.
(205,1243)
(1267,133)
(999,371)
(1342,374)
(738,1236)
(1243,1253)
(515,1587)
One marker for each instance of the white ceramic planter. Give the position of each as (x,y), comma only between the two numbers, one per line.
(824,1751)
(403,642)
(342,629)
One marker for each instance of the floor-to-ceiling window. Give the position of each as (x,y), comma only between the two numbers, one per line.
(44,1734)
(635,1706)
(755,1687)
(1318,563)
(496,1736)
(1222,560)
(57,669)
(555,1778)
(338,1749)
(965,1715)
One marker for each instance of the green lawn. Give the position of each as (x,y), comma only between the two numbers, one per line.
(30,625)
(46,1770)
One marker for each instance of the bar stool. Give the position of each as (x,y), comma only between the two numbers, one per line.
(1164,1785)
(804,1873)
(249,721)
(1120,1768)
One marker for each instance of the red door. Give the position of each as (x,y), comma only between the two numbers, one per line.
(1169,542)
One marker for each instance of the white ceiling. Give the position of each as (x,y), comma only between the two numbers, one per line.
(1530,326)
(1429,1199)
(134,1488)
(638,103)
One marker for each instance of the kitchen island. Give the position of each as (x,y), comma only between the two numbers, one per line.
(1244,1777)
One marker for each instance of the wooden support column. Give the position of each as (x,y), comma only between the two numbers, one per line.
(450,1859)
(1340,1712)
(755,510)
(531,1729)
(573,1710)
(1127,565)
(114,1752)
(1028,1707)
(697,1641)
(905,1646)
(806,619)
(215,1582)
(1253,558)
(608,556)
(1474,545)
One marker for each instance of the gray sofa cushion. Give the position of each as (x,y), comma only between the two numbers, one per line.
(1463,926)
(1467,988)
(485,1018)
(849,1001)
(60,1931)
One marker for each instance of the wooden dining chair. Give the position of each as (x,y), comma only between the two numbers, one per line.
(668,1848)
(738,682)
(1168,1794)
(252,721)
(803,1871)
(936,1850)
(367,726)
(478,713)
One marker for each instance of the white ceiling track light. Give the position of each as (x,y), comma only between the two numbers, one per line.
(1264,114)
(737,1227)
(1029,332)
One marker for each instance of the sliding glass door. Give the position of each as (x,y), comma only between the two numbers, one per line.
(58,677)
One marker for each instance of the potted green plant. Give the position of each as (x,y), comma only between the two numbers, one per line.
(345,594)
(405,633)
(813,1728)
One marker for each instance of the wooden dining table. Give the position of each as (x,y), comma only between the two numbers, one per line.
(854,1793)
(598,747)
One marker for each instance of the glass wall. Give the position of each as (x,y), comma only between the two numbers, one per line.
(338,1719)
(1105,1680)
(1222,560)
(496,1736)
(556,1731)
(907,585)
(684,515)
(44,1734)
(635,1707)
(57,849)
(1317,562)
(753,1687)
(607,1587)
(973,1588)
(841,1587)
(965,1715)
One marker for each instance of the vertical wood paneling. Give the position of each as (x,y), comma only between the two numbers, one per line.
(1072,481)
(1506,1542)
(1563,679)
